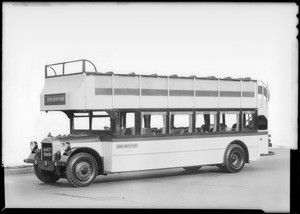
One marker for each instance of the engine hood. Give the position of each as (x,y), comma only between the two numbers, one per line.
(50,146)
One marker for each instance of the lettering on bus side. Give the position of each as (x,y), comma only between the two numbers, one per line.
(55,99)
(127,146)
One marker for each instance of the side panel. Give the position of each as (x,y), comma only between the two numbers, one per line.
(126,92)
(143,154)
(263,144)
(230,94)
(99,92)
(73,88)
(181,93)
(154,92)
(206,93)
(249,94)
(107,155)
(97,146)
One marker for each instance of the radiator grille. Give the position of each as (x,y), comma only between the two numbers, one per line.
(47,151)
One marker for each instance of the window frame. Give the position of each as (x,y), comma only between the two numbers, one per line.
(119,122)
(160,113)
(188,112)
(90,116)
(209,112)
(194,112)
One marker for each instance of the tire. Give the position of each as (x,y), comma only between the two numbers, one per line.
(46,176)
(222,168)
(235,159)
(192,168)
(81,170)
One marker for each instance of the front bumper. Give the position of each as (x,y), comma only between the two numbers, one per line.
(46,165)
(31,158)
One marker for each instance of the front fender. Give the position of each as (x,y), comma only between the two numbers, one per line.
(65,157)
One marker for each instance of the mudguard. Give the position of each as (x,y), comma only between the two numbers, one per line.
(65,157)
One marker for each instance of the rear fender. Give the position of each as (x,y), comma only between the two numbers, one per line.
(241,144)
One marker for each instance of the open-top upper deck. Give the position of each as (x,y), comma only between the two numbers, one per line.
(77,85)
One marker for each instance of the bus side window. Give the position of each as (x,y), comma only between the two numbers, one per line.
(181,122)
(206,122)
(248,120)
(229,121)
(153,123)
(81,121)
(127,123)
(101,121)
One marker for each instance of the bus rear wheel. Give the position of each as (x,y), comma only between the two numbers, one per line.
(45,176)
(81,169)
(235,159)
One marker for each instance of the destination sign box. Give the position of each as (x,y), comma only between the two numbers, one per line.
(55,99)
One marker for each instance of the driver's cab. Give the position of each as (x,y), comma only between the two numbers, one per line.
(102,123)
(92,122)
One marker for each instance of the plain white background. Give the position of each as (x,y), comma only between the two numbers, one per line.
(216,39)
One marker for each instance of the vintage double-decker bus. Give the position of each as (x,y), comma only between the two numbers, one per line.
(131,122)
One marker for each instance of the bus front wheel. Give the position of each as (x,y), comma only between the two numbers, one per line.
(81,169)
(45,176)
(235,159)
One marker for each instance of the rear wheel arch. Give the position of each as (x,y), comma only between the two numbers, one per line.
(92,152)
(235,157)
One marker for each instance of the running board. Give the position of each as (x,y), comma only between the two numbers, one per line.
(270,153)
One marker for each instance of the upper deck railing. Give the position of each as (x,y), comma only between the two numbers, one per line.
(86,66)
(69,68)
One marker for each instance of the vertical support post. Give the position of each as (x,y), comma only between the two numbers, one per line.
(240,120)
(63,68)
(90,120)
(138,125)
(194,121)
(45,71)
(168,122)
(71,122)
(83,66)
(218,120)
(218,93)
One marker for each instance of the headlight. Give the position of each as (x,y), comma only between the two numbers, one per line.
(33,146)
(66,146)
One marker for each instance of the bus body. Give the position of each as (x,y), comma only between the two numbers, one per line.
(122,123)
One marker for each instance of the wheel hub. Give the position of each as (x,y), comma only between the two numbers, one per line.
(84,171)
(236,160)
